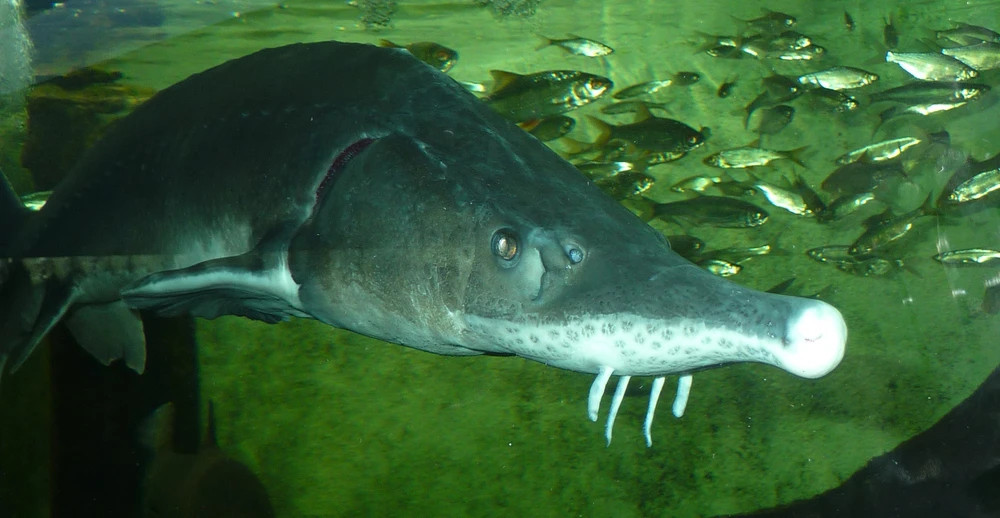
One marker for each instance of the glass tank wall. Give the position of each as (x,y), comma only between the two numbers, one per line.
(870,188)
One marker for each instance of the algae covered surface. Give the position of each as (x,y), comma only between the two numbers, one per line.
(337,424)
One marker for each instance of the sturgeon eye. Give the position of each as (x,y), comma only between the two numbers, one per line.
(575,255)
(505,244)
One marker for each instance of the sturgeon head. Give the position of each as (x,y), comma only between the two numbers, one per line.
(464,235)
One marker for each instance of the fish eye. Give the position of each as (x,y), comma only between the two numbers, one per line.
(504,244)
(574,254)
(442,55)
(693,139)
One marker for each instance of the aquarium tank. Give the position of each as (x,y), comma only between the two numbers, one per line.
(625,258)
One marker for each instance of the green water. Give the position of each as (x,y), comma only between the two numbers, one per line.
(336,424)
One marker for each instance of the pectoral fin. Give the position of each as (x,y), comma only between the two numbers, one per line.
(252,285)
(110,332)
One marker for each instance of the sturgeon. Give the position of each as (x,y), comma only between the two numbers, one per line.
(360,187)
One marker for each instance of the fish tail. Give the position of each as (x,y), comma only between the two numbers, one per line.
(795,155)
(604,131)
(544,42)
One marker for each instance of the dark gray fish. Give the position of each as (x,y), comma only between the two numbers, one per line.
(931,92)
(863,266)
(551,128)
(521,98)
(890,36)
(686,246)
(726,52)
(207,483)
(889,234)
(837,100)
(860,177)
(774,119)
(578,46)
(783,286)
(434,54)
(966,34)
(660,138)
(870,266)
(777,90)
(716,211)
(632,106)
(770,22)
(848,21)
(625,185)
(726,88)
(845,206)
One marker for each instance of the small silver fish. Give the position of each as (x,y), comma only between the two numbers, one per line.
(783,198)
(918,109)
(579,46)
(632,106)
(637,90)
(598,170)
(981,56)
(845,206)
(839,78)
(969,257)
(976,187)
(750,156)
(738,255)
(720,267)
(931,66)
(695,183)
(805,54)
(879,151)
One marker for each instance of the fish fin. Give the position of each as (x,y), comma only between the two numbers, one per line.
(795,155)
(210,440)
(604,131)
(390,45)
(571,147)
(546,42)
(156,432)
(642,113)
(34,309)
(255,285)
(110,332)
(529,125)
(502,79)
(13,213)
